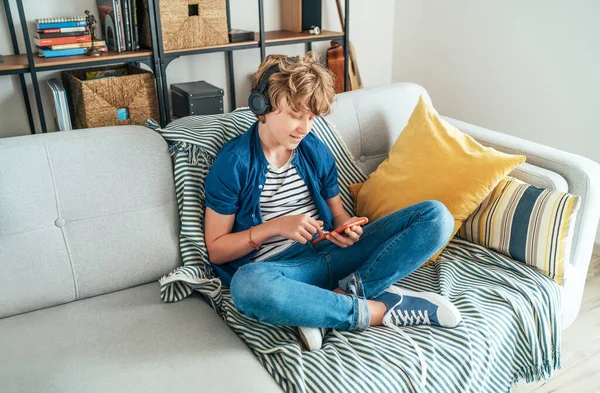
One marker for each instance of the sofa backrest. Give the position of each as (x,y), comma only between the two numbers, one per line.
(370,120)
(83,213)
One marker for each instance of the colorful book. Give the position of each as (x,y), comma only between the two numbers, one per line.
(97,43)
(110,73)
(48,53)
(63,30)
(62,40)
(136,29)
(58,35)
(43,52)
(121,26)
(127,22)
(57,23)
(110,24)
(60,25)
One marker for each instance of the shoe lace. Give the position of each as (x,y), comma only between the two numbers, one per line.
(410,317)
(405,317)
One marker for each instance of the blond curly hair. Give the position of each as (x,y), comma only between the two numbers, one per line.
(304,82)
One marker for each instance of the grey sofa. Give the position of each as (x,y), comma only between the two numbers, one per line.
(89,223)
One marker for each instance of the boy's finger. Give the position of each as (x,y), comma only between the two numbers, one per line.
(353,234)
(317,224)
(341,239)
(335,241)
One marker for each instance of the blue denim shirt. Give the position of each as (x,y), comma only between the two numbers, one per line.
(235,181)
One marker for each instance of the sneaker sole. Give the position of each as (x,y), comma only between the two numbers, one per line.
(312,342)
(434,298)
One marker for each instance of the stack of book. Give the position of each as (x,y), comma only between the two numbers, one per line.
(119,23)
(68,36)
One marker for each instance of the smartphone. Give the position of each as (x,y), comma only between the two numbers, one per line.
(361,221)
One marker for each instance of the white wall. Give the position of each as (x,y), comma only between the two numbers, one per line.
(525,68)
(371,30)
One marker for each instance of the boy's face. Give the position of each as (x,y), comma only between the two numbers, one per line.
(288,127)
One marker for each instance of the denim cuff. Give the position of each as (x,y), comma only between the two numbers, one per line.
(352,285)
(363,317)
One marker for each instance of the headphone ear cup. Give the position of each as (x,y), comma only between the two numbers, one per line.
(258,103)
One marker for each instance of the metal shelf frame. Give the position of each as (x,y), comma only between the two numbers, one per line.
(157,60)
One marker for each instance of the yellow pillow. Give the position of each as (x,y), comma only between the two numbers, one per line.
(431,159)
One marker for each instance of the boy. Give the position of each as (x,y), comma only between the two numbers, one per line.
(274,188)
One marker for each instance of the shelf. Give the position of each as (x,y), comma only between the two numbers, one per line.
(110,57)
(14,64)
(282,37)
(17,64)
(214,48)
(277,37)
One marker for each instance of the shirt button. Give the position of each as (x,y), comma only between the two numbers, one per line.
(260,186)
(363,158)
(253,216)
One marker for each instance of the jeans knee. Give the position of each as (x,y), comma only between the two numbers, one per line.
(243,288)
(248,290)
(441,218)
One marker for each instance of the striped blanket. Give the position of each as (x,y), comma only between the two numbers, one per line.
(511,314)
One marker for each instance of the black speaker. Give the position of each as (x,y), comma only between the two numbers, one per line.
(311,14)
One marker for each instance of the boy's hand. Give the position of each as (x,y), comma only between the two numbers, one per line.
(348,237)
(300,227)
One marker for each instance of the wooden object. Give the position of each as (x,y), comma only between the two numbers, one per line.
(355,81)
(13,62)
(335,62)
(291,15)
(42,62)
(301,15)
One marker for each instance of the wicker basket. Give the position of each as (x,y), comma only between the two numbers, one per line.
(98,102)
(189,24)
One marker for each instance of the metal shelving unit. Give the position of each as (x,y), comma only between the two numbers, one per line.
(157,59)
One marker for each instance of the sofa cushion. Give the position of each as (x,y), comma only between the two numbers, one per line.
(84,213)
(432,160)
(530,224)
(127,341)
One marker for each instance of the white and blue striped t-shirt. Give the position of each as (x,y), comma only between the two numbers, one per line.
(284,194)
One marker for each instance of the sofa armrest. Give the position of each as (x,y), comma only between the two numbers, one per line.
(582,176)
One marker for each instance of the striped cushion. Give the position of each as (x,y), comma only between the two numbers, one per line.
(511,313)
(530,224)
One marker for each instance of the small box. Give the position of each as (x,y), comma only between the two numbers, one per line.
(196,98)
(237,35)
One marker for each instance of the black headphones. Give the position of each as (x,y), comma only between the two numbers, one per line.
(258,102)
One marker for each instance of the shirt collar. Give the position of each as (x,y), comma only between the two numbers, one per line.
(258,150)
(256,146)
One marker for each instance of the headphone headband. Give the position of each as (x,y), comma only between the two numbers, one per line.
(264,79)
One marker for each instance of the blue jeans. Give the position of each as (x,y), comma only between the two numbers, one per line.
(295,286)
